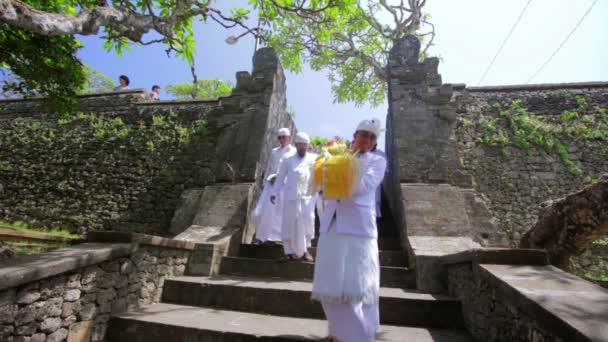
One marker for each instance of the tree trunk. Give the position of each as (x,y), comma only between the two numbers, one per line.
(567,226)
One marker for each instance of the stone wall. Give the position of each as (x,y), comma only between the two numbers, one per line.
(121,162)
(515,178)
(79,301)
(488,315)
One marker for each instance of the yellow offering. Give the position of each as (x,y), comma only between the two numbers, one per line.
(336,171)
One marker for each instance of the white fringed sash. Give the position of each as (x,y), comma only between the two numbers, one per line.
(346,269)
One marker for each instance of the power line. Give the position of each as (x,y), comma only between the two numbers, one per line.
(562,44)
(504,42)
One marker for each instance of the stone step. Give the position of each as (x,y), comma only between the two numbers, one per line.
(384,244)
(401,277)
(169,322)
(292,298)
(387,258)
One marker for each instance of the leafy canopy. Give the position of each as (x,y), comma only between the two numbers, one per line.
(207,89)
(349,38)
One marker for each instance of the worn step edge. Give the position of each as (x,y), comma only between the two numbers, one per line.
(401,277)
(168,322)
(384,244)
(387,258)
(292,298)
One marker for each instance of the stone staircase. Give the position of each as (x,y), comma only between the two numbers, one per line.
(256,297)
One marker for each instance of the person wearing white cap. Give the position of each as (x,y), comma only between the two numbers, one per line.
(298,220)
(267,217)
(347,269)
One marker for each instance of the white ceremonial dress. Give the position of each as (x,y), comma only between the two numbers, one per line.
(266,216)
(298,219)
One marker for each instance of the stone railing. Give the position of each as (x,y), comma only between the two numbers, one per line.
(71,292)
(515,295)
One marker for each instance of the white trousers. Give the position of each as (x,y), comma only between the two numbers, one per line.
(298,225)
(352,322)
(267,217)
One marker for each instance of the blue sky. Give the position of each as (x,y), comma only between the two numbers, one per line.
(469,32)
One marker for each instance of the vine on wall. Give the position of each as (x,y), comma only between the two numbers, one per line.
(517,127)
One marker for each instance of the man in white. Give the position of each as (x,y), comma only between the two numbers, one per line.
(267,217)
(347,270)
(298,205)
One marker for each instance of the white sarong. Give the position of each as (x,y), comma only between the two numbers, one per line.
(298,225)
(347,282)
(347,269)
(267,216)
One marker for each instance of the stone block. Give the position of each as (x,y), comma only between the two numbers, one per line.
(50,324)
(27,297)
(127,267)
(26,314)
(88,311)
(8,313)
(20,339)
(6,331)
(73,281)
(106,295)
(119,306)
(57,336)
(38,338)
(72,295)
(7,297)
(27,329)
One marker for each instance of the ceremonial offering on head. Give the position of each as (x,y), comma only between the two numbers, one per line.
(336,170)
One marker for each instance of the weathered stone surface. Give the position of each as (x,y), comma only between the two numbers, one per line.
(88,311)
(80,332)
(6,331)
(27,297)
(20,271)
(516,181)
(74,281)
(108,176)
(8,313)
(220,211)
(420,138)
(38,338)
(27,329)
(72,295)
(508,302)
(68,321)
(26,314)
(53,307)
(126,267)
(58,335)
(20,339)
(187,207)
(50,325)
(441,219)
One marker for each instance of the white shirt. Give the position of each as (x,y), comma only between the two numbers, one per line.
(357,215)
(294,176)
(277,155)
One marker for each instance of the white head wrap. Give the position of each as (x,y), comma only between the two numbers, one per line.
(302,137)
(372,125)
(283,132)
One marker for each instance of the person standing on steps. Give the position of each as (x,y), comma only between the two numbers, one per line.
(267,217)
(347,270)
(298,222)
